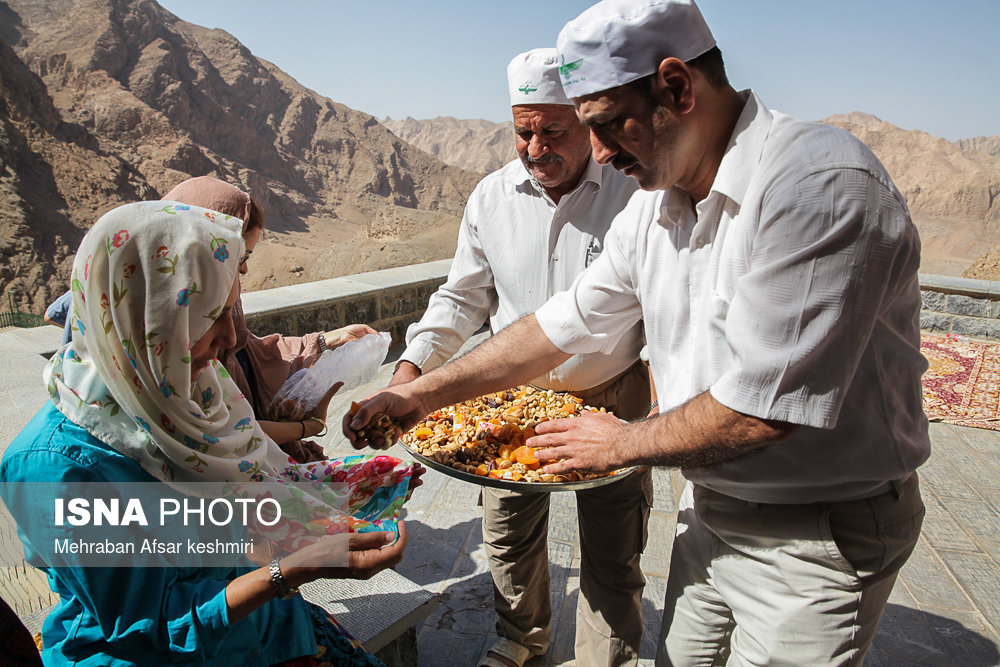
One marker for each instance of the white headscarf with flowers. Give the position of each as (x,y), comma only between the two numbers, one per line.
(148,281)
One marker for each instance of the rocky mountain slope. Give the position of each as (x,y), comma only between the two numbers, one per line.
(952,192)
(477,145)
(108,101)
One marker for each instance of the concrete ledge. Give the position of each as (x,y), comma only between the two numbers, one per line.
(953,285)
(960,306)
(388,300)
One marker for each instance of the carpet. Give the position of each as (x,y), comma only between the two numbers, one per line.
(962,385)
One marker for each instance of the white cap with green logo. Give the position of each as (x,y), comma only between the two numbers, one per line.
(618,41)
(533,78)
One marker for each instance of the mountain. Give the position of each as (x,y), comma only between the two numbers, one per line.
(951,191)
(989,145)
(477,145)
(108,101)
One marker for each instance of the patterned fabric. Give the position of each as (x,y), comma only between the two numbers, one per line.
(962,385)
(334,645)
(148,281)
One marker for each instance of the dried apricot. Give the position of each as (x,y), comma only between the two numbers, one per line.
(506,452)
(526,457)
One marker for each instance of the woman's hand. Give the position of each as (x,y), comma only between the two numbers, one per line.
(416,475)
(367,555)
(319,412)
(337,337)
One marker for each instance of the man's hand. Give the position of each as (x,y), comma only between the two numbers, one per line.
(593,441)
(400,403)
(406,371)
(337,337)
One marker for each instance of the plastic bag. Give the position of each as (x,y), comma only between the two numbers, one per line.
(353,363)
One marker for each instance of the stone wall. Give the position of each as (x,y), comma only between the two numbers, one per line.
(388,300)
(391,299)
(960,306)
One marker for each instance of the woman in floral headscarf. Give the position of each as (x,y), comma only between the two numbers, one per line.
(139,396)
(260,365)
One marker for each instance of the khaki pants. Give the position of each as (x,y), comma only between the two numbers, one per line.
(612,527)
(756,584)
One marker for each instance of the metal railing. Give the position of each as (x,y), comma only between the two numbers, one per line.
(15,318)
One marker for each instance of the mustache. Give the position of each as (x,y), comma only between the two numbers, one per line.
(545,159)
(623,161)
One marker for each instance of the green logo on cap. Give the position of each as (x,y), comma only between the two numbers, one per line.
(566,68)
(526,88)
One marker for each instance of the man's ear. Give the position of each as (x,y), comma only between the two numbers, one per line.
(673,85)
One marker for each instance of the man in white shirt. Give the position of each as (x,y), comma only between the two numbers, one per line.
(528,231)
(774,266)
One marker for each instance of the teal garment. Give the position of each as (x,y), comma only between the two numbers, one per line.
(134,616)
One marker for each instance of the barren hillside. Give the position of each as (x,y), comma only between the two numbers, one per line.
(477,145)
(108,101)
(951,192)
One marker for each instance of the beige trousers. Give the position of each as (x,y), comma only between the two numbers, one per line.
(756,584)
(612,528)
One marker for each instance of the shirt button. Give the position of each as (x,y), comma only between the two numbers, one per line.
(555,257)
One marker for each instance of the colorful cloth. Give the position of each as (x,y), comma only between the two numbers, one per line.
(962,384)
(148,281)
(258,366)
(334,645)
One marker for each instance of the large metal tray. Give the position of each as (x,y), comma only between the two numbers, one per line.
(523,487)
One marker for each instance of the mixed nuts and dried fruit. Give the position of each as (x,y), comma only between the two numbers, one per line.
(485,436)
(381,430)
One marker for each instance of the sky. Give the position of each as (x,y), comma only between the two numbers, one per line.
(920,65)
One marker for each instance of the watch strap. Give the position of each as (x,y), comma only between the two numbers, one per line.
(281,587)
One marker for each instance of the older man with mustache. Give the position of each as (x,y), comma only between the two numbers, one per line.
(529,229)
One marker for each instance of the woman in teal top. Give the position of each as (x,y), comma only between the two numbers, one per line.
(138,396)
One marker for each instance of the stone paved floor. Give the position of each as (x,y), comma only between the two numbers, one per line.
(945,609)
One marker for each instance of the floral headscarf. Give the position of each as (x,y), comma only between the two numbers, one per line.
(148,281)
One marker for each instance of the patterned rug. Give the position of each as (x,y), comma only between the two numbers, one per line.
(962,385)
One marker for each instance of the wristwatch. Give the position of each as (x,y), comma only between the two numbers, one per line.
(281,587)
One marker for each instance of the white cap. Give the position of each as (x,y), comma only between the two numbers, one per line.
(618,41)
(533,78)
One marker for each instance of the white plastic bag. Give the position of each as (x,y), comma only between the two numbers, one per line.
(353,363)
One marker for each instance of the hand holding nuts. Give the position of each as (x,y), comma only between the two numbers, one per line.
(381,432)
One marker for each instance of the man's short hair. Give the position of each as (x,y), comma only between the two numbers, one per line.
(710,64)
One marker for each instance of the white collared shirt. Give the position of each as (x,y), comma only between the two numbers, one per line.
(790,293)
(516,248)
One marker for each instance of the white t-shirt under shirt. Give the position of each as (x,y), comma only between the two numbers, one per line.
(516,248)
(790,294)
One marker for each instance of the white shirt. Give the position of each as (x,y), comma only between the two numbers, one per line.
(516,248)
(790,293)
